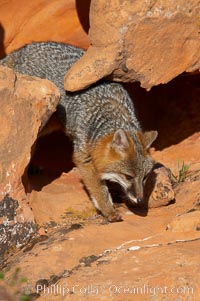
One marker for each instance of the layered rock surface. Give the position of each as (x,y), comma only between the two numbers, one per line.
(26,105)
(151,253)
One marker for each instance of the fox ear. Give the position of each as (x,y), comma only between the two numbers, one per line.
(120,141)
(149,138)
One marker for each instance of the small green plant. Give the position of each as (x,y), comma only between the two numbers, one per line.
(14,284)
(2,276)
(25,298)
(182,173)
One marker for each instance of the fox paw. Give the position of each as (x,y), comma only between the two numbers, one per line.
(115,217)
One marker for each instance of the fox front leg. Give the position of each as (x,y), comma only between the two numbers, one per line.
(97,189)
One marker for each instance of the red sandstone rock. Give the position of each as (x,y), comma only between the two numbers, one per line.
(137,252)
(23,22)
(147,41)
(26,105)
(185,222)
(158,187)
(61,201)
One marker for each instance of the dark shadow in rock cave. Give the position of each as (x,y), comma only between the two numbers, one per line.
(2,50)
(52,156)
(171,109)
(83,8)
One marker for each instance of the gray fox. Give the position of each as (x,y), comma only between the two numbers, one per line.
(108,141)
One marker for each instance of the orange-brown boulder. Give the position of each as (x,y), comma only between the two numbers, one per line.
(147,41)
(26,105)
(158,187)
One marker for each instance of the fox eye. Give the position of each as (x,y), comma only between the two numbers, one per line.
(129,177)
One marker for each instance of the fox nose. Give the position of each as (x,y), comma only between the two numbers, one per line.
(134,198)
(139,201)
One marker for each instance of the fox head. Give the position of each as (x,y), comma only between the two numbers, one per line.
(125,159)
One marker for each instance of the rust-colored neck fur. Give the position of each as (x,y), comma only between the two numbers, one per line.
(104,153)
